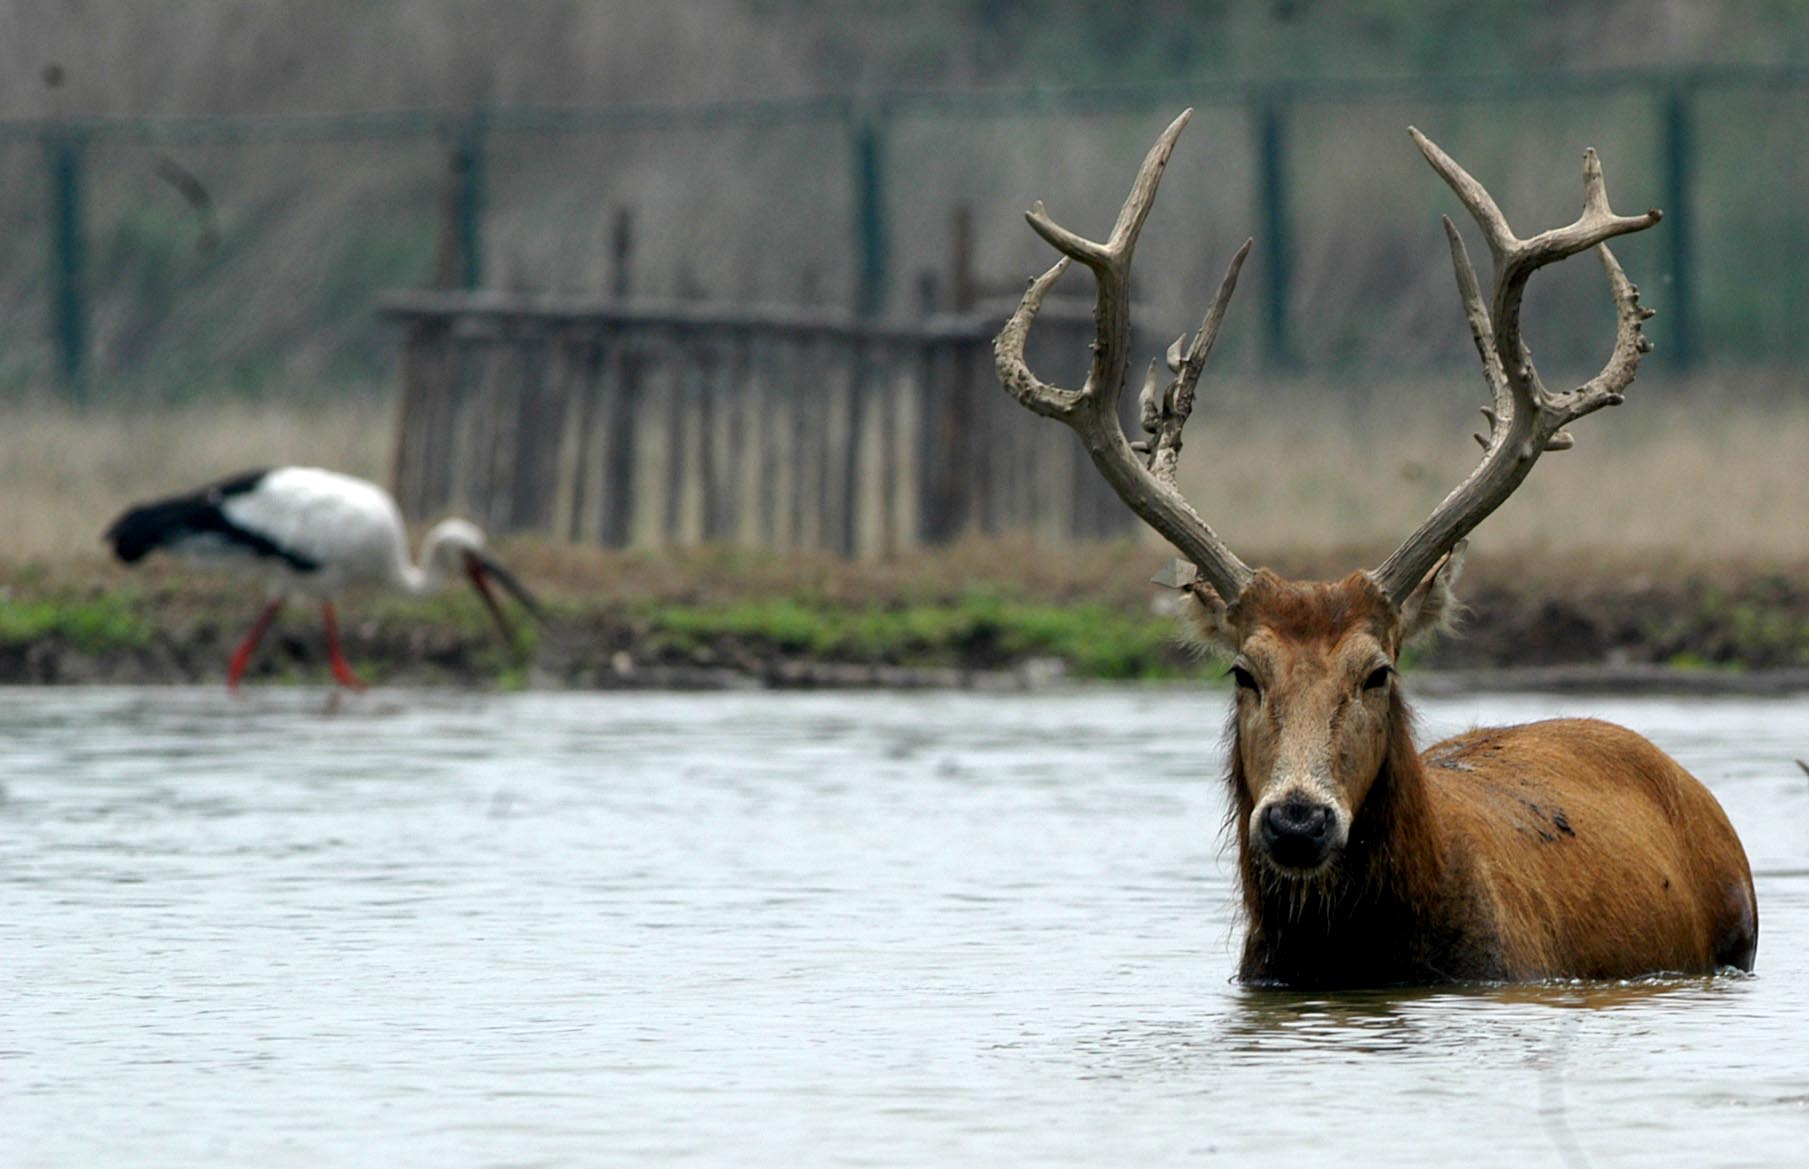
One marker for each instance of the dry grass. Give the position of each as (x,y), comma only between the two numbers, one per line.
(1700,471)
(64,475)
(1659,486)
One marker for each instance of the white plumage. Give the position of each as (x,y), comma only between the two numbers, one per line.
(308,532)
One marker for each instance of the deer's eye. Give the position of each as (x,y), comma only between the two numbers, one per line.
(1245,680)
(1378,678)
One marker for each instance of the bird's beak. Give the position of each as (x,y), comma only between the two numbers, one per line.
(482,570)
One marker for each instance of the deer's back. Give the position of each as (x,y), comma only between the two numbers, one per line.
(1592,853)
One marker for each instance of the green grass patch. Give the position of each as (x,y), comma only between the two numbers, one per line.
(94,624)
(1097,641)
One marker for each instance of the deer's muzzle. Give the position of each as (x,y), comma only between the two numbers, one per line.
(1297,835)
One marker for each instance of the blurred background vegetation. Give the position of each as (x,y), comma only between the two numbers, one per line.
(249,180)
(235,237)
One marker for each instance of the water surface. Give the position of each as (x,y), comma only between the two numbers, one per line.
(839,929)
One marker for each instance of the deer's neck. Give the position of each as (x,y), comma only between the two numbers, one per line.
(1392,908)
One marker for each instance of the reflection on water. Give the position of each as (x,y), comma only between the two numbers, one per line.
(1268,1020)
(830,929)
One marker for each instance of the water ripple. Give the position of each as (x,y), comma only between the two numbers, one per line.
(428,929)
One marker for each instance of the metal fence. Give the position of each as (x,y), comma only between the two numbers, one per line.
(250,253)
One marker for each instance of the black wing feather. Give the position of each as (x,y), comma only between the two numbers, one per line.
(164,523)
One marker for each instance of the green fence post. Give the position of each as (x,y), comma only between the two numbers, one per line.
(468,198)
(1680,163)
(69,306)
(1272,215)
(870,210)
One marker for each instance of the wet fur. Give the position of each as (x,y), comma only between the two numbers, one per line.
(1387,911)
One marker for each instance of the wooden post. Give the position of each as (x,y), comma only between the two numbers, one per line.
(737,389)
(543,385)
(710,463)
(830,384)
(859,377)
(586,363)
(932,443)
(888,406)
(406,454)
(788,511)
(768,417)
(961,258)
(503,394)
(474,471)
(807,408)
(620,448)
(677,381)
(459,378)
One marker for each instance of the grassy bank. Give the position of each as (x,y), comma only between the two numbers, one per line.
(723,618)
(639,620)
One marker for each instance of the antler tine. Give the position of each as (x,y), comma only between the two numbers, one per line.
(1609,387)
(1092,410)
(1116,251)
(1526,419)
(1178,402)
(1008,350)
(1472,194)
(1476,312)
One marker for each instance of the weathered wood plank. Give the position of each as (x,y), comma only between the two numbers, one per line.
(686,421)
(621,448)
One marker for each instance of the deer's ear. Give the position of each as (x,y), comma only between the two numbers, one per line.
(1433,607)
(1208,618)
(1206,613)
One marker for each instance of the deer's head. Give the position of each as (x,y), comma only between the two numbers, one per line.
(1317,710)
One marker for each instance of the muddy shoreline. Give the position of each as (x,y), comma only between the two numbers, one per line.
(1684,640)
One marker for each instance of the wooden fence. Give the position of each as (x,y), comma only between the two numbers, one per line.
(639,424)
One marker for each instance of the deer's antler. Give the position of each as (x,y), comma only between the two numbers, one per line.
(1092,411)
(1525,419)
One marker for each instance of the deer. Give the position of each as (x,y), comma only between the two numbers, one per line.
(1563,849)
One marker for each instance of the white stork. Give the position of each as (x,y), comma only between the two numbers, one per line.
(310,533)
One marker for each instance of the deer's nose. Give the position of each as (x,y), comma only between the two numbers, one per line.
(1294,832)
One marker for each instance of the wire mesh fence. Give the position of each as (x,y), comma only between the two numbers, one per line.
(166,258)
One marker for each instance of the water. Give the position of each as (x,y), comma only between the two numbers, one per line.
(836,929)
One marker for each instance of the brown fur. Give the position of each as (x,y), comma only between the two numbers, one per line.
(1567,848)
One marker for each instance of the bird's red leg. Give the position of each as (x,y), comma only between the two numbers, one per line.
(342,669)
(241,657)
